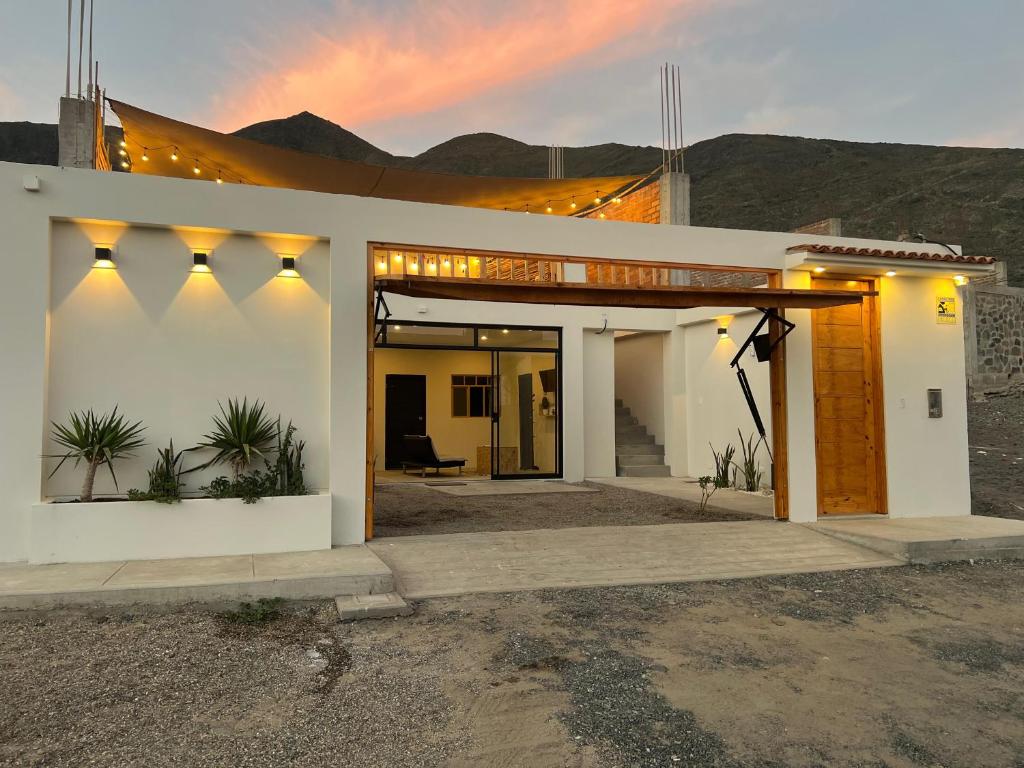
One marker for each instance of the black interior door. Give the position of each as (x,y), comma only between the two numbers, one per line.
(526,421)
(405,413)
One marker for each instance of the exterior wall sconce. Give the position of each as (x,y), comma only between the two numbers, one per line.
(200,262)
(103,258)
(288,267)
(723,333)
(959,279)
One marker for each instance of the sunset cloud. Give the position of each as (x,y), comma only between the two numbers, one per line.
(413,58)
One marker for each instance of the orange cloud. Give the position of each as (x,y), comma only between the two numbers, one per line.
(430,55)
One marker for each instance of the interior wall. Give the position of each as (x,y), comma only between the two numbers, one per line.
(453,436)
(640,379)
(545,427)
(166,345)
(716,408)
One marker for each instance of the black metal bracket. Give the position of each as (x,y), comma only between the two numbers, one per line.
(382,333)
(764,349)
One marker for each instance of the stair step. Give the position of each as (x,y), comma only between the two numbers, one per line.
(377,606)
(623,412)
(618,402)
(633,440)
(626,421)
(633,430)
(652,470)
(640,459)
(647,449)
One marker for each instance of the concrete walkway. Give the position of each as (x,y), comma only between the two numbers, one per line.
(296,575)
(686,488)
(931,539)
(460,563)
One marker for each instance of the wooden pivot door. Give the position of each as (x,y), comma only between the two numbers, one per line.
(848,427)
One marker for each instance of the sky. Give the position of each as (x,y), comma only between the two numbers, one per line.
(409,74)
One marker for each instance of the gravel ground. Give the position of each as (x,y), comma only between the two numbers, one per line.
(900,667)
(996,428)
(403,509)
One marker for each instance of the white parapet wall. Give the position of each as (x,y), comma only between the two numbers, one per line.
(145,530)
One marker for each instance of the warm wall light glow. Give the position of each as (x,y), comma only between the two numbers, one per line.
(200,262)
(288,267)
(122,144)
(959,279)
(890,273)
(195,168)
(174,154)
(723,333)
(819,270)
(103,257)
(145,157)
(398,257)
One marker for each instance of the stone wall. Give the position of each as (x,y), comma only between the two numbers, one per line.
(994,335)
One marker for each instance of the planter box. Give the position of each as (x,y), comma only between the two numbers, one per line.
(145,530)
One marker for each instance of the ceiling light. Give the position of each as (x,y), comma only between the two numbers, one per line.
(195,168)
(819,270)
(890,273)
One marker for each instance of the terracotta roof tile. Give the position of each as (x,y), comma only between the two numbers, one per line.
(840,250)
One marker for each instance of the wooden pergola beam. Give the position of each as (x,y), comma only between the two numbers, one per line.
(591,295)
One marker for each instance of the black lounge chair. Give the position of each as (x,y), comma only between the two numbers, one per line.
(419,453)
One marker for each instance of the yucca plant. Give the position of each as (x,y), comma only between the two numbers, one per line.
(723,461)
(96,440)
(241,434)
(750,469)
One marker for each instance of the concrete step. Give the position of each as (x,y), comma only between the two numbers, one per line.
(630,449)
(633,440)
(618,402)
(626,421)
(623,412)
(627,433)
(640,459)
(379,606)
(657,470)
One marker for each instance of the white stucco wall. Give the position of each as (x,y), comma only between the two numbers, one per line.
(348,224)
(598,404)
(166,345)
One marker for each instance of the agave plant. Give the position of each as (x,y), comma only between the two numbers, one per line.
(241,434)
(96,440)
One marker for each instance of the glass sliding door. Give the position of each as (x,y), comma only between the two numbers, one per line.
(525,418)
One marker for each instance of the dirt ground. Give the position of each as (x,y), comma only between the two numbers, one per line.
(404,509)
(996,428)
(900,667)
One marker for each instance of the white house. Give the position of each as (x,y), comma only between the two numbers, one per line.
(511,335)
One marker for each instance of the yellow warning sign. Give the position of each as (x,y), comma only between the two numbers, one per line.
(945,310)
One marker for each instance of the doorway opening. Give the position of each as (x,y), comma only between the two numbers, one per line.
(465,402)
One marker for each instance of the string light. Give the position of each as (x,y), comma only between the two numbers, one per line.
(122,144)
(573,203)
(145,157)
(219,179)
(174,154)
(122,152)
(195,168)
(124,163)
(616,200)
(597,197)
(549,209)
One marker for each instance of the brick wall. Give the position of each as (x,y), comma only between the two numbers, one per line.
(643,206)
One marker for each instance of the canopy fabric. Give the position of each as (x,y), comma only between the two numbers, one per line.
(591,295)
(238,160)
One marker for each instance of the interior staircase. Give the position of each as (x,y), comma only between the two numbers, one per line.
(636,453)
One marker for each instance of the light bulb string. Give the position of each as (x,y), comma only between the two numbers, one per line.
(199,160)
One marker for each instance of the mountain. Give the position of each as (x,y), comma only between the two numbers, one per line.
(308,133)
(776,183)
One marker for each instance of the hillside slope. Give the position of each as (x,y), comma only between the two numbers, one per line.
(951,194)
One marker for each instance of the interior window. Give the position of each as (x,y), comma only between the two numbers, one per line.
(471,395)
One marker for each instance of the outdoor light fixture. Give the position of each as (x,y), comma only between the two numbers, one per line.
(124,164)
(819,270)
(145,157)
(174,154)
(573,203)
(549,209)
(220,179)
(200,262)
(398,257)
(601,214)
(890,273)
(505,331)
(122,152)
(103,258)
(723,332)
(288,267)
(122,144)
(195,168)
(959,279)
(597,199)
(616,200)
(483,337)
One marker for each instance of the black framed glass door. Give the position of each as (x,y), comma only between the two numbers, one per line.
(525,419)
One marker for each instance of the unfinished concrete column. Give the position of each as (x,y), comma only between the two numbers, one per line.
(675,198)
(76,133)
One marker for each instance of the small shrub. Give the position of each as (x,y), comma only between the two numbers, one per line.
(750,469)
(250,487)
(241,433)
(723,463)
(708,486)
(164,479)
(264,610)
(289,466)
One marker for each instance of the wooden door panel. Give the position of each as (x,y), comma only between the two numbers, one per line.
(847,386)
(840,359)
(834,336)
